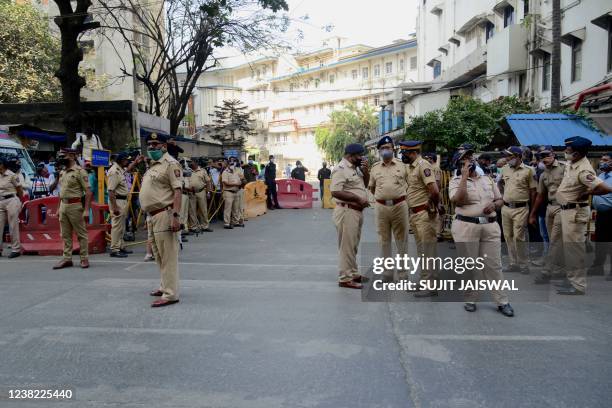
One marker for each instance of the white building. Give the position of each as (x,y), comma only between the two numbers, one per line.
(493,48)
(289,96)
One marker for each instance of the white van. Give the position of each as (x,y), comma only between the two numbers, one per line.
(27,166)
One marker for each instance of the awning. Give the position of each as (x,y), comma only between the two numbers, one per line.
(455,40)
(552,129)
(433,62)
(501,5)
(475,21)
(573,36)
(444,48)
(437,9)
(603,21)
(542,50)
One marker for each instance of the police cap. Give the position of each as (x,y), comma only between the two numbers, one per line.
(578,142)
(384,140)
(513,150)
(354,148)
(411,145)
(154,137)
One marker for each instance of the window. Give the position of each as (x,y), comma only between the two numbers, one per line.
(332,79)
(413,63)
(317,82)
(522,79)
(508,15)
(284,138)
(401,65)
(525,7)
(546,67)
(354,74)
(265,139)
(609,45)
(291,111)
(364,73)
(376,101)
(388,68)
(489,31)
(576,60)
(437,69)
(376,71)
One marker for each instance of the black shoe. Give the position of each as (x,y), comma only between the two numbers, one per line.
(512,268)
(570,291)
(207,230)
(14,255)
(506,310)
(239,225)
(228,227)
(278,207)
(270,208)
(183,239)
(126,251)
(118,254)
(470,307)
(426,293)
(565,284)
(542,279)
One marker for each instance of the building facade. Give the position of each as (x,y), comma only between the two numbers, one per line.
(289,96)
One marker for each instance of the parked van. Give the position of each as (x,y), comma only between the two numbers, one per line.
(12,148)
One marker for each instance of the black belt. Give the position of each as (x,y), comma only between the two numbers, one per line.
(476,220)
(553,203)
(515,205)
(6,197)
(571,206)
(121,197)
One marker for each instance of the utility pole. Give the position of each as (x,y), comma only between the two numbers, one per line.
(555,86)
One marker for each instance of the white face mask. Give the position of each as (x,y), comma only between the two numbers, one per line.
(569,156)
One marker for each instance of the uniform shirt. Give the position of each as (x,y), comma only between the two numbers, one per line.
(420,174)
(550,179)
(232,177)
(604,202)
(73,182)
(159,183)
(481,191)
(517,183)
(389,180)
(116,180)
(345,177)
(87,144)
(578,178)
(9,182)
(199,180)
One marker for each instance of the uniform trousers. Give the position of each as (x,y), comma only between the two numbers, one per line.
(514,221)
(424,226)
(71,220)
(9,213)
(574,228)
(348,224)
(232,208)
(118,225)
(165,245)
(392,220)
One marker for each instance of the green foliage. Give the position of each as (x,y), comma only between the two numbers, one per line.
(352,124)
(464,120)
(29,56)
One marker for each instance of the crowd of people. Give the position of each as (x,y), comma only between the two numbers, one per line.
(526,196)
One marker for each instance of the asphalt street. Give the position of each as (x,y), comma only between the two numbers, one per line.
(263,324)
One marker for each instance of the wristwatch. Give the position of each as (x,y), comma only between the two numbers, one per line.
(176,215)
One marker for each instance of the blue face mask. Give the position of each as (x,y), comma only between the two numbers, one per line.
(386,154)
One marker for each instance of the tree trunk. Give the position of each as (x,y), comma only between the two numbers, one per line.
(555,86)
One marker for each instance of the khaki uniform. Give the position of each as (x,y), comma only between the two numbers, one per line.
(198,209)
(156,193)
(186,184)
(240,195)
(578,179)
(517,185)
(390,182)
(440,222)
(10,208)
(348,222)
(73,184)
(423,221)
(548,184)
(479,240)
(116,183)
(231,212)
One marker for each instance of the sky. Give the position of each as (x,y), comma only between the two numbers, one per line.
(370,22)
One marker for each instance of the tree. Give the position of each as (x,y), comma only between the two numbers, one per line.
(555,73)
(229,118)
(352,124)
(28,56)
(172,44)
(464,120)
(72,22)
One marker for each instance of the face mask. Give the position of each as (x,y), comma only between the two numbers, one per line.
(569,156)
(541,166)
(386,154)
(271,160)
(512,162)
(357,161)
(155,154)
(62,161)
(250,161)
(604,166)
(405,159)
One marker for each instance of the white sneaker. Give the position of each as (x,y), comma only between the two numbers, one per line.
(148,258)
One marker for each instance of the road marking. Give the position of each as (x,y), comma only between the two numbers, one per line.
(489,337)
(127,330)
(129,268)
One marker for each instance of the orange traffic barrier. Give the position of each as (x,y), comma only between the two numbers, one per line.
(294,193)
(255,198)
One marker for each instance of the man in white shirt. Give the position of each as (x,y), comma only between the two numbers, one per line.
(85,142)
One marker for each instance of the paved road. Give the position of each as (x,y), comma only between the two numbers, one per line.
(262,324)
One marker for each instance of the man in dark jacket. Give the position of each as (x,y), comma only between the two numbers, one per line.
(270,178)
(323,174)
(299,173)
(250,170)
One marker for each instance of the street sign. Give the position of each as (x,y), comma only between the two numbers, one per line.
(233,152)
(100,158)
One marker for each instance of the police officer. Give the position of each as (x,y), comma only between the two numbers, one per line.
(323,174)
(232,180)
(423,201)
(549,182)
(117,199)
(518,183)
(240,195)
(432,158)
(348,186)
(579,180)
(270,179)
(74,185)
(11,191)
(200,183)
(186,193)
(160,197)
(389,184)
